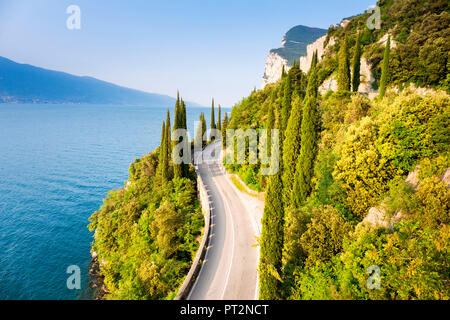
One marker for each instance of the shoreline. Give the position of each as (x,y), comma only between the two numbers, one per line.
(96,279)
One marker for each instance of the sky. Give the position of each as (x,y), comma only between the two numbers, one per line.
(203,48)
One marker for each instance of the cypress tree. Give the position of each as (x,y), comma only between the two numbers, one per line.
(162,146)
(296,77)
(163,165)
(219,121)
(308,151)
(270,124)
(213,120)
(343,80)
(183,115)
(224,130)
(204,129)
(177,168)
(313,83)
(357,64)
(198,140)
(184,166)
(385,68)
(272,238)
(283,72)
(291,149)
(168,137)
(314,60)
(286,102)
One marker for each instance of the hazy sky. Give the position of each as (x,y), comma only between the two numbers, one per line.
(204,48)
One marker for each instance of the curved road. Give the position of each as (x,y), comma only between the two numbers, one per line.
(229,271)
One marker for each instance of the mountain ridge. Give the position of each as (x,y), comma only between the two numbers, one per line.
(25,83)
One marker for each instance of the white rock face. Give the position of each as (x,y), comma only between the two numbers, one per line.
(274,66)
(344,23)
(365,86)
(366,80)
(383,41)
(329,84)
(305,62)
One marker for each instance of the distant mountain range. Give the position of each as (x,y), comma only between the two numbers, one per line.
(23,83)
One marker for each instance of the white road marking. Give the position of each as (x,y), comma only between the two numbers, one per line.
(233,237)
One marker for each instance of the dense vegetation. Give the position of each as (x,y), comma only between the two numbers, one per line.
(343,154)
(146,234)
(419,29)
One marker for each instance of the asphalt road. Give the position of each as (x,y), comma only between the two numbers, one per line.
(229,271)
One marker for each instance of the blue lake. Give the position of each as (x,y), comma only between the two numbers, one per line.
(57,163)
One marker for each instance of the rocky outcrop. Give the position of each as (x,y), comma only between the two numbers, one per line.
(384,38)
(367,79)
(445,178)
(318,45)
(413,178)
(423,91)
(327,85)
(96,279)
(293,46)
(378,217)
(273,69)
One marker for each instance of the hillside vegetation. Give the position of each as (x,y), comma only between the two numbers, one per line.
(344,155)
(421,33)
(147,233)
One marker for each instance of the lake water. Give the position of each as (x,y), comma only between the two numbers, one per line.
(57,163)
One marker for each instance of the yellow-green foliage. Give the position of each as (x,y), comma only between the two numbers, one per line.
(145,233)
(361,168)
(369,147)
(413,260)
(324,235)
(365,151)
(413,127)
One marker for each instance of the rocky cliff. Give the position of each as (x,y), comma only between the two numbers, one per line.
(293,46)
(318,45)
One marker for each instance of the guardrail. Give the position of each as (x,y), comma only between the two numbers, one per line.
(185,288)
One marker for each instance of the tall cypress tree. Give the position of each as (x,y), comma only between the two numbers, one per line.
(183,124)
(219,121)
(291,149)
(198,140)
(213,120)
(385,68)
(204,129)
(168,137)
(313,83)
(308,151)
(183,115)
(343,80)
(356,64)
(177,168)
(270,124)
(163,165)
(224,130)
(314,60)
(296,77)
(272,239)
(286,102)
